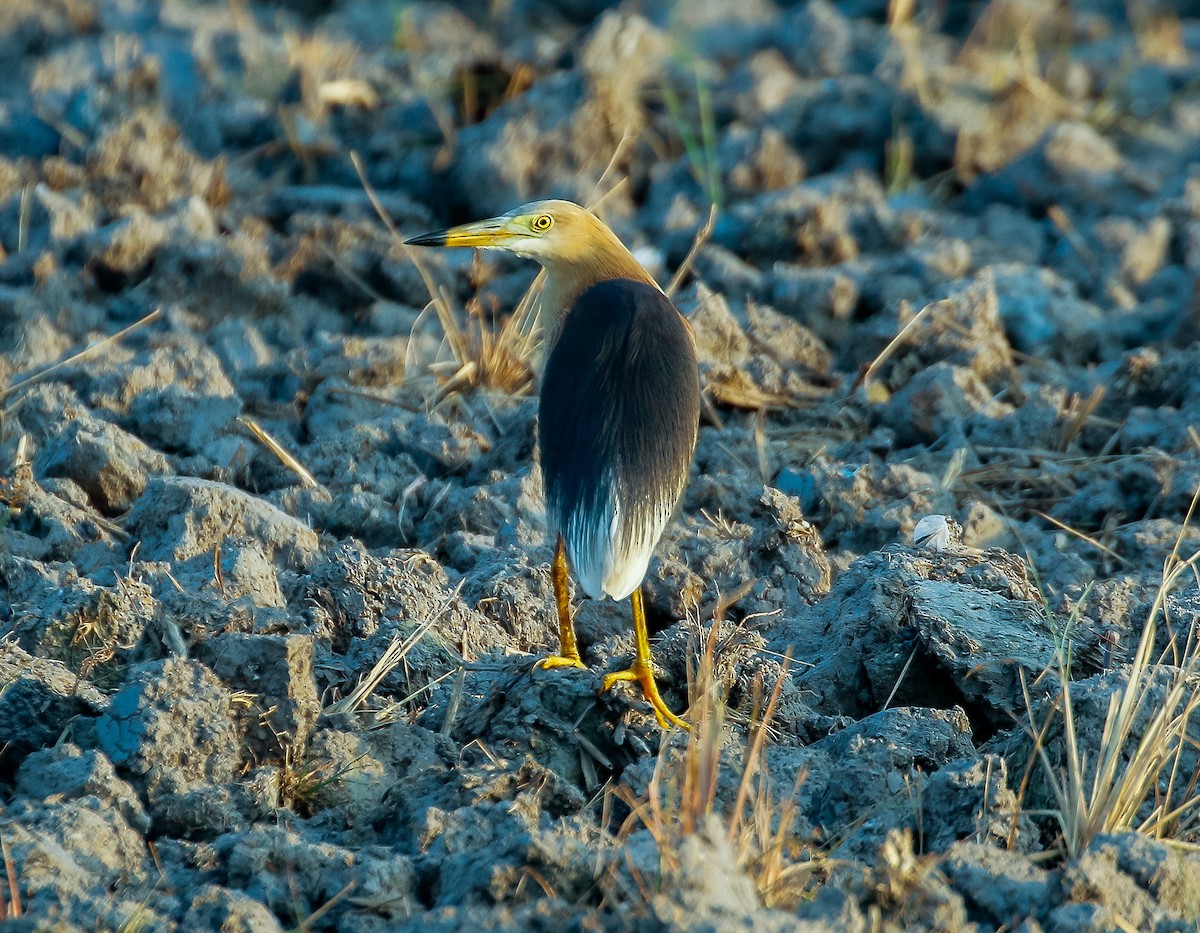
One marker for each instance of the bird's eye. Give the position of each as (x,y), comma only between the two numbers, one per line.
(543,222)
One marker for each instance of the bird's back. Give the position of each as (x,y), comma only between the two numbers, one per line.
(620,407)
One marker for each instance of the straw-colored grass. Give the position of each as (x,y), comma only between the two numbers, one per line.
(1138,777)
(10,907)
(682,798)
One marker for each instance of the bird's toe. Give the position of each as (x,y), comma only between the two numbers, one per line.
(555,661)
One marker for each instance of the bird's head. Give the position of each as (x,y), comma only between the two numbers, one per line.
(551,232)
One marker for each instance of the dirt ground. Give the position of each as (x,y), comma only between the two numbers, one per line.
(273,575)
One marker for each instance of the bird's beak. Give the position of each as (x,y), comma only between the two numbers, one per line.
(495,232)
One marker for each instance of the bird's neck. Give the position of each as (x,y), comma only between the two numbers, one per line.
(567,280)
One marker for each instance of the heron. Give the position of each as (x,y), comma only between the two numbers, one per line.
(618,412)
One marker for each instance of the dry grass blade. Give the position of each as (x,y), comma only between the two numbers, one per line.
(85,352)
(1083,537)
(13,909)
(702,758)
(455,701)
(395,653)
(598,198)
(1066,227)
(399,710)
(755,752)
(682,797)
(480,355)
(306,478)
(748,397)
(436,294)
(321,911)
(1081,417)
(886,353)
(702,236)
(1147,729)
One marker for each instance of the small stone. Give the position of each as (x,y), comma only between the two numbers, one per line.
(38,700)
(216,908)
(201,513)
(111,465)
(172,729)
(278,671)
(73,772)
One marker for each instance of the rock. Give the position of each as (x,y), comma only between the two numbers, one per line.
(1072,162)
(1041,422)
(529,711)
(145,161)
(178,420)
(115,383)
(825,43)
(217,908)
(122,251)
(770,360)
(516,594)
(910,628)
(69,216)
(1140,249)
(94,630)
(442,42)
(1095,891)
(111,466)
(963,329)
(894,747)
(792,546)
(364,604)
(72,772)
(339,771)
(219,274)
(822,299)
(203,812)
(819,221)
(277,671)
(245,572)
(532,142)
(955,623)
(287,873)
(752,162)
(73,859)
(509,832)
(938,402)
(1170,875)
(171,729)
(200,514)
(45,689)
(1000,887)
(973,800)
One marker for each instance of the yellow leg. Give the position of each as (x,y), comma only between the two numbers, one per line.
(568,655)
(643,669)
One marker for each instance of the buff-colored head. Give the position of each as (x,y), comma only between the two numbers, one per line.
(571,243)
(551,232)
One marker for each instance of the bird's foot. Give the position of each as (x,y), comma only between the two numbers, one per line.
(645,676)
(560,660)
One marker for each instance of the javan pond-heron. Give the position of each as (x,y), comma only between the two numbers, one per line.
(618,413)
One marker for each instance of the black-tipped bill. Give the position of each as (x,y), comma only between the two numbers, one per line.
(436,238)
(495,232)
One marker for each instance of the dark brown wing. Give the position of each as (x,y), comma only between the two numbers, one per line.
(619,412)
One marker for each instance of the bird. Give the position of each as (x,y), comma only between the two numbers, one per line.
(618,412)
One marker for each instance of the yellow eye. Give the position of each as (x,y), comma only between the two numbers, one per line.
(543,222)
